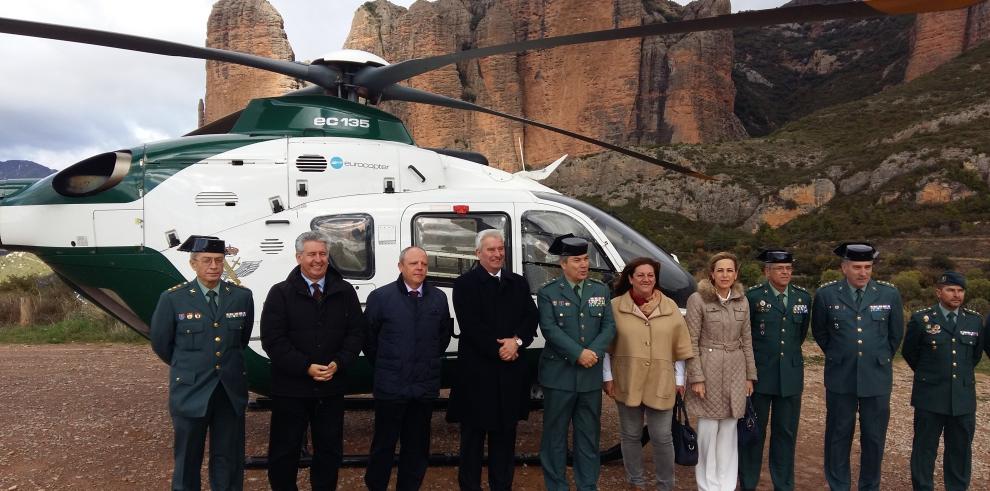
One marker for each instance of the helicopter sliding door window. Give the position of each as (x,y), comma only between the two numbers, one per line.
(448,239)
(539,228)
(352,246)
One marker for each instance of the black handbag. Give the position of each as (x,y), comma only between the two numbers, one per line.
(685,439)
(749,428)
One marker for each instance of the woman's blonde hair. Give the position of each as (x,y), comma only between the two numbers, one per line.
(720,256)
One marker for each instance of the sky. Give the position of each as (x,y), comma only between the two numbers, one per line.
(63,102)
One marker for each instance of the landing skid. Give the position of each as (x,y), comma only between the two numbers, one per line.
(435,460)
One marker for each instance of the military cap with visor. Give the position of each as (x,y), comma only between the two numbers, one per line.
(856,251)
(771,256)
(952,278)
(568,245)
(203,243)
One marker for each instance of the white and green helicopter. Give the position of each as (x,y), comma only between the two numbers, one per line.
(324,158)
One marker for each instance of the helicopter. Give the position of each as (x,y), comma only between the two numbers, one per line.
(325,158)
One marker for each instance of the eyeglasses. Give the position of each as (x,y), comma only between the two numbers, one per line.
(781,269)
(206,261)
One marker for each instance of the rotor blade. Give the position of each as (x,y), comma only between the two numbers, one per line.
(318,74)
(377,78)
(409,94)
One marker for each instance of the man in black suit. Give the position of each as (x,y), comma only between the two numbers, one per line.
(497,320)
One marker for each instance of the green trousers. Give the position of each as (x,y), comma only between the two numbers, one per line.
(783,413)
(583,410)
(958,457)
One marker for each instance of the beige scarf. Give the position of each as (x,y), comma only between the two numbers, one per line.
(651,303)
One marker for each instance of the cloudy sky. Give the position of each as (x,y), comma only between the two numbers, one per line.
(62,102)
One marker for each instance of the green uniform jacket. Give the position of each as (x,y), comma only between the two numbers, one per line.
(858,343)
(778,332)
(203,351)
(570,325)
(943,359)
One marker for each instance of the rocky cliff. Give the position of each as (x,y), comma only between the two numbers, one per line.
(941,36)
(649,91)
(250,26)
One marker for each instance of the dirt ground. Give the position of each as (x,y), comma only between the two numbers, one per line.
(95,417)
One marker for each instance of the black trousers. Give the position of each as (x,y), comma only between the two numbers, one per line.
(226,430)
(406,421)
(840,423)
(290,417)
(957,459)
(501,457)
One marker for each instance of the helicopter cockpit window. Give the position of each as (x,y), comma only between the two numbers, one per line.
(352,246)
(539,228)
(448,240)
(93,175)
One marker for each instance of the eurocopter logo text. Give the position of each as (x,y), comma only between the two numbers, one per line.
(337,163)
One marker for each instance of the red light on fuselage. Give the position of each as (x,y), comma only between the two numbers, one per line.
(461,209)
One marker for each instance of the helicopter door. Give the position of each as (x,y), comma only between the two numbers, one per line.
(447,232)
(539,227)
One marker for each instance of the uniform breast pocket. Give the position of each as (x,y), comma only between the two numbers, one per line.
(880,315)
(235,324)
(596,311)
(187,335)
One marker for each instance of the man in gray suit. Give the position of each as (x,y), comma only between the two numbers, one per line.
(200,328)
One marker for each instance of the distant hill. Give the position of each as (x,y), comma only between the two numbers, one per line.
(23,169)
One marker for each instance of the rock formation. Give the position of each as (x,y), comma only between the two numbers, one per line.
(941,36)
(637,91)
(250,26)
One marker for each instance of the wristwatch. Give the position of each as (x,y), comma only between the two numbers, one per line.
(519,342)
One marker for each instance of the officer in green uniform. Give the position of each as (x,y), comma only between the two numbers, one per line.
(576,320)
(780,314)
(943,344)
(859,324)
(200,328)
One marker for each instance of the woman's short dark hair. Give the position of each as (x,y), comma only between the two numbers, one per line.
(622,283)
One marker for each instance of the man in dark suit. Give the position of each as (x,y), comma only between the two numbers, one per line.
(576,320)
(312,329)
(409,328)
(497,320)
(200,328)
(858,323)
(779,318)
(943,345)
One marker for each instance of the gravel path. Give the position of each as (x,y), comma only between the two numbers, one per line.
(95,417)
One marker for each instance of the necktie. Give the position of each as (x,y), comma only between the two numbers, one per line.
(859,297)
(414,293)
(212,295)
(577,290)
(317,294)
(783,299)
(952,320)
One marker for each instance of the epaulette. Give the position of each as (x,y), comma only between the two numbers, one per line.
(755,287)
(600,282)
(925,309)
(235,285)
(176,287)
(971,311)
(799,288)
(552,280)
(886,283)
(827,283)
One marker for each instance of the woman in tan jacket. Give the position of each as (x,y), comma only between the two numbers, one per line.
(639,368)
(722,371)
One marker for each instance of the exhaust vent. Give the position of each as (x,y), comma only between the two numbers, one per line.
(272,246)
(216,198)
(311,163)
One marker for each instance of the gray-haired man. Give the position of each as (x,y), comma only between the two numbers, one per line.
(312,328)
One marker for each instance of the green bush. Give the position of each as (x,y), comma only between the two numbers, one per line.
(750,273)
(831,275)
(909,284)
(979,304)
(941,261)
(978,288)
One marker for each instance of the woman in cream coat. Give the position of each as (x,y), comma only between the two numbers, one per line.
(651,335)
(722,371)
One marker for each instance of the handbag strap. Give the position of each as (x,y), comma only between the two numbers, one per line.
(680,412)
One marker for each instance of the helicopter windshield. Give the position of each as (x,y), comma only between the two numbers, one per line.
(675,282)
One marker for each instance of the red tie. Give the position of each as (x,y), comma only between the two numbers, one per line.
(317,294)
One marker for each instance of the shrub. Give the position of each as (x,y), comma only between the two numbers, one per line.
(941,261)
(750,273)
(901,261)
(831,275)
(979,304)
(909,284)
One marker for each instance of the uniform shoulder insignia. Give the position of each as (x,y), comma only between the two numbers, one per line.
(886,283)
(799,288)
(925,309)
(828,283)
(971,311)
(176,287)
(548,283)
(755,287)
(596,281)
(235,285)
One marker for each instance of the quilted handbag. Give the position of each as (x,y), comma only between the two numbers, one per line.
(685,439)
(749,429)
